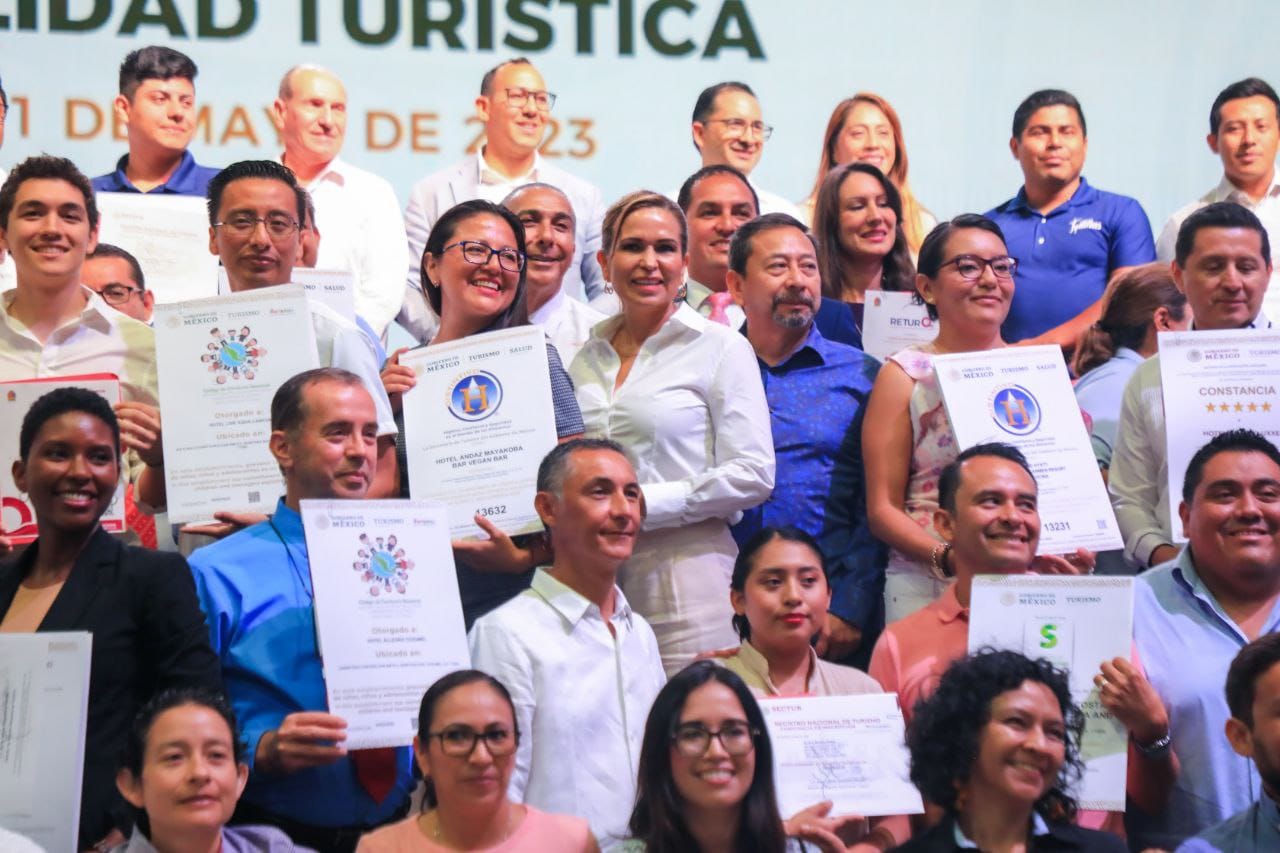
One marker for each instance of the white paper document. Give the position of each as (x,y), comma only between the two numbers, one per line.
(478,424)
(1022,396)
(1076,623)
(1213,382)
(894,320)
(847,749)
(334,288)
(220,361)
(169,235)
(44,706)
(17,516)
(388,612)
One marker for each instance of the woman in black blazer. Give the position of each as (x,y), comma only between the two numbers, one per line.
(140,606)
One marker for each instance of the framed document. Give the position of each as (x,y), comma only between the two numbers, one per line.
(220,361)
(17,516)
(847,749)
(1022,396)
(1076,623)
(44,709)
(478,424)
(388,612)
(1213,382)
(892,321)
(334,288)
(169,235)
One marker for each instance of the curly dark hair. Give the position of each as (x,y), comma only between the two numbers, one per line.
(945,730)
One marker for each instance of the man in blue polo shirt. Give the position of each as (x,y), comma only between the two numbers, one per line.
(817,389)
(1068,237)
(157,103)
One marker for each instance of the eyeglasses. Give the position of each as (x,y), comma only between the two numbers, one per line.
(543,99)
(278,225)
(475,252)
(460,741)
(970,266)
(692,740)
(118,294)
(740,126)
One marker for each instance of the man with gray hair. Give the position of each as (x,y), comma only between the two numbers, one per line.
(356,210)
(582,667)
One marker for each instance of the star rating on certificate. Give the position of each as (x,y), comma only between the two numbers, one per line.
(1238,407)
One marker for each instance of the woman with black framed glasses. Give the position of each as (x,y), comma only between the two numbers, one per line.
(466,748)
(473,275)
(706,775)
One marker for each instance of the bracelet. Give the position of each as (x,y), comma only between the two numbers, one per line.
(938,560)
(1157,747)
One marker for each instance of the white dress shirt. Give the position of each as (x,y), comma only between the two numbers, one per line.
(774,203)
(582,695)
(693,414)
(1267,209)
(698,296)
(341,343)
(567,322)
(100,340)
(1138,479)
(361,230)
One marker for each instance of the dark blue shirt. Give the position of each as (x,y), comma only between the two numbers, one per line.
(816,398)
(1066,256)
(190,178)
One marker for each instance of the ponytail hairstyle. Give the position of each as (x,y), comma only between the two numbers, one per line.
(1130,300)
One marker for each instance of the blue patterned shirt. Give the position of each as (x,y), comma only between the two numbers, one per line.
(816,398)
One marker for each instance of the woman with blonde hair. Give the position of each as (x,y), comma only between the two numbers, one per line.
(684,395)
(866,129)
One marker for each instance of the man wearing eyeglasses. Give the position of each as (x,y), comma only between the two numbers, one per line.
(728,131)
(1069,238)
(357,210)
(583,668)
(514,106)
(115,275)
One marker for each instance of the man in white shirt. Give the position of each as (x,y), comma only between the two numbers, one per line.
(1222,263)
(549,236)
(115,274)
(717,201)
(728,131)
(514,105)
(1244,131)
(582,667)
(255,208)
(357,210)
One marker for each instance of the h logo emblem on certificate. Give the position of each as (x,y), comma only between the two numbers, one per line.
(1015,410)
(475,396)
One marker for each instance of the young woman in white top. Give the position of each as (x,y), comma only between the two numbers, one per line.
(684,396)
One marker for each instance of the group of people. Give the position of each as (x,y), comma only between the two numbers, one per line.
(743,504)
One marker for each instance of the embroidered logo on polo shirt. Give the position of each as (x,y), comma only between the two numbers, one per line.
(1086,224)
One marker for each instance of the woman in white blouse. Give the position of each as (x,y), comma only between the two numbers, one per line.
(684,396)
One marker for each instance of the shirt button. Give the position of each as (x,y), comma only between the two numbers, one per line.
(1044,219)
(1040,241)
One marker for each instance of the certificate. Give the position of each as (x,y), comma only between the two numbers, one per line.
(1213,382)
(220,361)
(169,235)
(1075,623)
(894,320)
(1022,396)
(334,288)
(17,516)
(44,705)
(477,425)
(388,613)
(847,749)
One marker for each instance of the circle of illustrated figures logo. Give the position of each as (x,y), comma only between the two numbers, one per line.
(1015,410)
(382,564)
(475,396)
(233,354)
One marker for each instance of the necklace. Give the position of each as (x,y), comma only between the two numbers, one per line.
(512,814)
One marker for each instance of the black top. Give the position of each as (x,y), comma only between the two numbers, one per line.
(1061,837)
(148,634)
